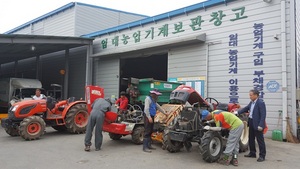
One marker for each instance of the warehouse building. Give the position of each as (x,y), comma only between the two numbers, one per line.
(34,54)
(222,48)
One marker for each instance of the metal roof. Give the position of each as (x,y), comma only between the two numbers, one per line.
(17,47)
(142,22)
(63,8)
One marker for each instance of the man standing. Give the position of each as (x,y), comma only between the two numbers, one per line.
(230,121)
(38,95)
(151,106)
(97,115)
(256,122)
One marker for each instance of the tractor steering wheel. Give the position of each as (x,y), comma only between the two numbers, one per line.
(212,101)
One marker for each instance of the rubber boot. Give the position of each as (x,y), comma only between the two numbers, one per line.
(149,145)
(234,160)
(145,145)
(224,160)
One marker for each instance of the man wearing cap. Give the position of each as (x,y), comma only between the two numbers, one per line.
(230,121)
(151,106)
(99,108)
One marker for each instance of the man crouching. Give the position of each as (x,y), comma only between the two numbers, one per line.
(230,121)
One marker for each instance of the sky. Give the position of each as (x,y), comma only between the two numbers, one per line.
(14,13)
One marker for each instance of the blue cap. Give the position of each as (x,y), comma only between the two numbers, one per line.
(204,114)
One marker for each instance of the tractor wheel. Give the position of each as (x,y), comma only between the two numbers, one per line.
(138,135)
(32,128)
(170,145)
(114,136)
(12,131)
(244,142)
(211,146)
(77,118)
(60,128)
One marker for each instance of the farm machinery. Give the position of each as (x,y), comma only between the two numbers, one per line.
(29,118)
(131,123)
(183,125)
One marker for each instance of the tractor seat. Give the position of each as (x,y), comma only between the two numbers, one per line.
(222,106)
(71,99)
(61,108)
(50,103)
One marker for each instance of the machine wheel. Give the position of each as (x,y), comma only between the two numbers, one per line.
(211,146)
(138,135)
(60,128)
(114,136)
(244,142)
(32,128)
(170,145)
(12,131)
(77,118)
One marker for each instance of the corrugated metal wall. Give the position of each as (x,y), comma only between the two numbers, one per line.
(189,61)
(298,41)
(219,62)
(90,19)
(75,21)
(106,75)
(26,68)
(77,68)
(62,24)
(79,20)
(50,66)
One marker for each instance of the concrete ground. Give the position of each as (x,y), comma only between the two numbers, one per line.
(63,150)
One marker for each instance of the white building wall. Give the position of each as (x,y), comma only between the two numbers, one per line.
(189,61)
(106,74)
(91,19)
(297,31)
(79,20)
(25,30)
(217,43)
(62,24)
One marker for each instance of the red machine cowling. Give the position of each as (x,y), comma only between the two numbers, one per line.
(93,93)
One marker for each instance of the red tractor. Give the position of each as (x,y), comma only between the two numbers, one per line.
(29,118)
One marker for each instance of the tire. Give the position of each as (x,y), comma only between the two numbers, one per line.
(114,136)
(60,128)
(211,146)
(138,135)
(12,131)
(32,128)
(244,141)
(170,145)
(77,118)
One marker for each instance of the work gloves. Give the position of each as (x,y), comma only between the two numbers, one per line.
(235,112)
(212,128)
(210,121)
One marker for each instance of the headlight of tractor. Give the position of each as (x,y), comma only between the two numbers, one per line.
(14,108)
(11,112)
